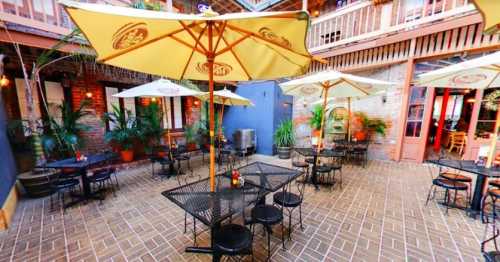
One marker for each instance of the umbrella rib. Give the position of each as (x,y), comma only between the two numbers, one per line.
(237,59)
(230,48)
(266,40)
(187,44)
(221,32)
(192,51)
(193,36)
(158,38)
(355,86)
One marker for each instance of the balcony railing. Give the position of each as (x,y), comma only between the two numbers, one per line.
(44,15)
(364,20)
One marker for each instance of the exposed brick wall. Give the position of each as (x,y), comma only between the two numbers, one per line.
(192,108)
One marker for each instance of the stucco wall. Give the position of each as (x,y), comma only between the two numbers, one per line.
(271,108)
(7,164)
(390,110)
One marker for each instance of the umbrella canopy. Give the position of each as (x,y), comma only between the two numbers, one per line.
(490,10)
(333,84)
(158,88)
(227,98)
(230,47)
(478,73)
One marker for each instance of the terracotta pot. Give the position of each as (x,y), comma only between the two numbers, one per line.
(360,135)
(127,155)
(191,147)
(315,133)
(161,153)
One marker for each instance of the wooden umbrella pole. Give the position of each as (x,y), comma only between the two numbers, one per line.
(320,142)
(168,129)
(493,145)
(349,119)
(221,118)
(210,60)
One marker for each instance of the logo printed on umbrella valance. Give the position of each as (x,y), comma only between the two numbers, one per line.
(129,35)
(270,35)
(309,90)
(220,69)
(468,79)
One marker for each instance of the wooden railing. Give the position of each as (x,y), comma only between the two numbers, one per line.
(364,20)
(46,15)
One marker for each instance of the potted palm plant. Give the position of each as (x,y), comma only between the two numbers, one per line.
(284,138)
(123,132)
(149,121)
(190,133)
(315,122)
(368,126)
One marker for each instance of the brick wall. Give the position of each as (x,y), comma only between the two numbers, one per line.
(381,147)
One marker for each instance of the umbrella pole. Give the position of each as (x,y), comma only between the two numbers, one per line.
(210,60)
(320,142)
(493,145)
(168,129)
(349,119)
(221,117)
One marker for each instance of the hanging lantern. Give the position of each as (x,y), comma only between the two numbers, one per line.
(4,81)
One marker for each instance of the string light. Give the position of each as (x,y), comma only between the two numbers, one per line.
(153,99)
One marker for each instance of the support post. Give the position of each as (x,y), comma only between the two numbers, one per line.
(493,144)
(304,5)
(442,118)
(210,60)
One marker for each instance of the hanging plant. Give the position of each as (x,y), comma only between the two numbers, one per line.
(491,100)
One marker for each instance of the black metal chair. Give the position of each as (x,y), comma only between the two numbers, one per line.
(268,216)
(490,219)
(182,155)
(299,163)
(102,178)
(61,185)
(232,240)
(358,152)
(335,166)
(447,185)
(289,201)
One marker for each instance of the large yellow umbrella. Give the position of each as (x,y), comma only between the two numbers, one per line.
(490,10)
(230,47)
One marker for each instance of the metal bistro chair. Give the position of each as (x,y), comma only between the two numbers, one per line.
(447,185)
(299,163)
(359,152)
(268,216)
(335,165)
(233,240)
(102,178)
(60,185)
(289,201)
(490,220)
(455,175)
(182,155)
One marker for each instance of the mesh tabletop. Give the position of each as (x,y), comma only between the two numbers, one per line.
(467,166)
(309,152)
(267,176)
(72,163)
(213,207)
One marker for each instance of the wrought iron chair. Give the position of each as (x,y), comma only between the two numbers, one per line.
(299,163)
(60,185)
(289,200)
(182,155)
(102,178)
(268,216)
(233,240)
(490,220)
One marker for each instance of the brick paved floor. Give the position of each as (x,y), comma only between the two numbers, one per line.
(378,215)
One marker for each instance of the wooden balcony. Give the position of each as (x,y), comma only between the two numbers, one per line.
(45,15)
(363,20)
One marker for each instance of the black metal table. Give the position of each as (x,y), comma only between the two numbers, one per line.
(81,167)
(211,208)
(313,152)
(481,174)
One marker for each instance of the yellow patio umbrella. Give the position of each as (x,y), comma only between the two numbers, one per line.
(225,97)
(229,47)
(490,10)
(478,73)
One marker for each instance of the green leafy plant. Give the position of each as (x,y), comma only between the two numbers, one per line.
(149,124)
(191,132)
(125,129)
(315,120)
(371,125)
(284,135)
(63,136)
